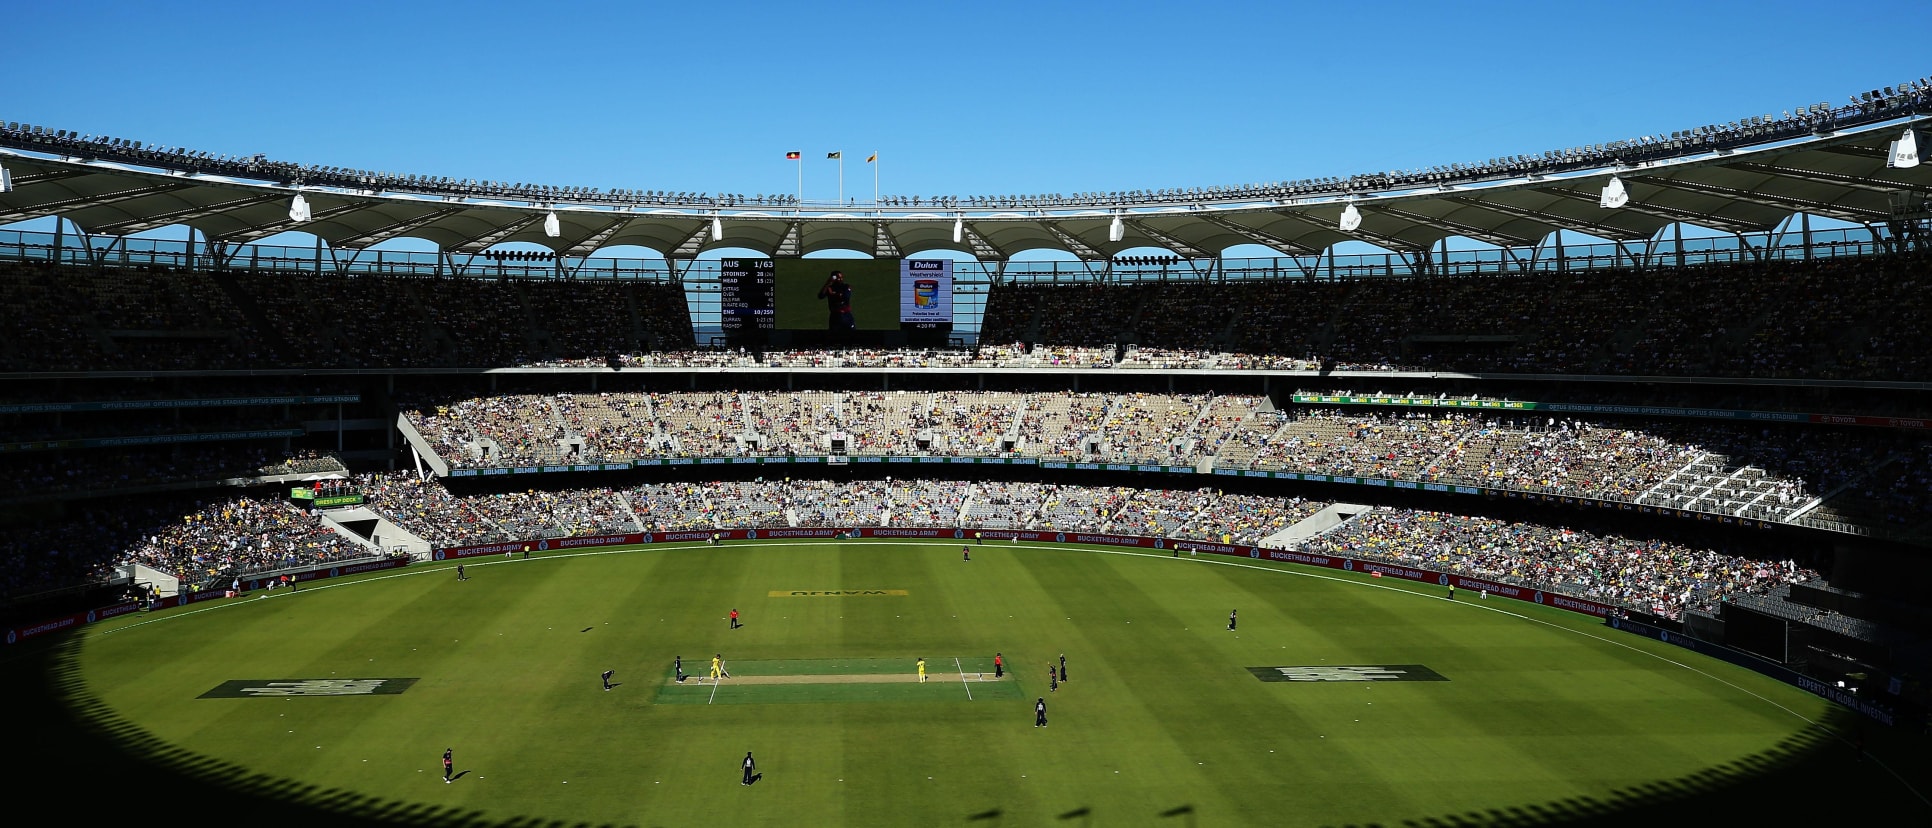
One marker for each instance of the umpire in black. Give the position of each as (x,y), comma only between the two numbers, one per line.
(1039,713)
(751,768)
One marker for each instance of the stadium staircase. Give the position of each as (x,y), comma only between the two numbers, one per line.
(384,535)
(1319,523)
(167,584)
(625,502)
(425,454)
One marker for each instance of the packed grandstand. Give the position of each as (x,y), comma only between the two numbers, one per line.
(1673,435)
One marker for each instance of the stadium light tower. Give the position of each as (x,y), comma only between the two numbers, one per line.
(1614,194)
(1351,219)
(298,209)
(1905,151)
(551,226)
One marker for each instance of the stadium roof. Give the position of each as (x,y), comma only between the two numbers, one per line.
(1746,176)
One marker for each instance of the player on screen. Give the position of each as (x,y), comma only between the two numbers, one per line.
(837,294)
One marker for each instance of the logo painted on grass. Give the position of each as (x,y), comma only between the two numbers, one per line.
(280,688)
(832,593)
(1336,672)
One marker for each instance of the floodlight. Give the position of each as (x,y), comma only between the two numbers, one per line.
(6,181)
(1905,151)
(1116,230)
(1614,195)
(298,209)
(551,226)
(1351,219)
(717,228)
(959,229)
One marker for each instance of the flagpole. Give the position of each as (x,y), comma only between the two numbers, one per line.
(841,179)
(801,180)
(875,180)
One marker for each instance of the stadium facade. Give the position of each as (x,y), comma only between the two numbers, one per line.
(1774,366)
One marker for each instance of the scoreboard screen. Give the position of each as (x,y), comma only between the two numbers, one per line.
(926,294)
(745,295)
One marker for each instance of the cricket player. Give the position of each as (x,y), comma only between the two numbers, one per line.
(1231,619)
(449,763)
(607,675)
(460,574)
(1063,666)
(751,767)
(717,666)
(677,668)
(1053,680)
(734,618)
(965,553)
(1039,713)
(922,671)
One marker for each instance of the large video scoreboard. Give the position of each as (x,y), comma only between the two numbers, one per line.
(746,294)
(913,297)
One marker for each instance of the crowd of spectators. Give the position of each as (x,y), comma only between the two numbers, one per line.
(428,509)
(211,541)
(1861,318)
(1745,470)
(159,318)
(238,537)
(306,461)
(243,535)
(1656,576)
(430,512)
(104,470)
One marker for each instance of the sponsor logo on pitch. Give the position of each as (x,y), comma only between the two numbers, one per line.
(284,688)
(1338,672)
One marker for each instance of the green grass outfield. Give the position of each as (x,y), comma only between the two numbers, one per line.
(1543,713)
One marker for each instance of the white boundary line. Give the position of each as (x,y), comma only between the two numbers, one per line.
(445,566)
(962,678)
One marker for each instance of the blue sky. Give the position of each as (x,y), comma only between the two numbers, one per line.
(958,98)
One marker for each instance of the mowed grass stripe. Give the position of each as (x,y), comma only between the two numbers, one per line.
(1176,678)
